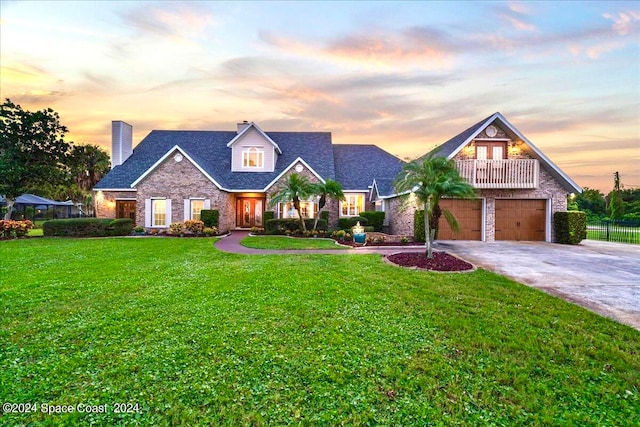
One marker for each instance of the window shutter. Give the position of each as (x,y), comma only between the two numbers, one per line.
(147,212)
(169,219)
(187,210)
(207,204)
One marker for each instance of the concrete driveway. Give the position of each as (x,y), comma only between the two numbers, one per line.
(603,277)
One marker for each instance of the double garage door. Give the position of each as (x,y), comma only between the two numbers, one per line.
(516,219)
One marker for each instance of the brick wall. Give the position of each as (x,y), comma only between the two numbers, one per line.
(105,202)
(179,181)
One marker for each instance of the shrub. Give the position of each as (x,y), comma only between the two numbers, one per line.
(120,227)
(257,230)
(79,227)
(278,226)
(138,229)
(177,228)
(210,231)
(570,227)
(347,223)
(210,217)
(11,228)
(194,226)
(374,219)
(418,226)
(325,215)
(268,215)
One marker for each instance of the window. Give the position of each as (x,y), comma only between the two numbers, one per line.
(308,210)
(352,205)
(253,158)
(159,213)
(196,208)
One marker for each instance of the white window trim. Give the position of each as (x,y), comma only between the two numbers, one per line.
(246,153)
(282,206)
(191,200)
(167,212)
(342,203)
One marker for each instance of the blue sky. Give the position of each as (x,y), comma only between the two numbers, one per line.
(403,75)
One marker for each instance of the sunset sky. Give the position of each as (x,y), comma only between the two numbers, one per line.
(403,75)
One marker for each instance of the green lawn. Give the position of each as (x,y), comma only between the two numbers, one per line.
(283,242)
(199,337)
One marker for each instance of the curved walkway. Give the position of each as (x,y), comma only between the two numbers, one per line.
(231,243)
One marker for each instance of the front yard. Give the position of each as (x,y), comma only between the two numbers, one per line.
(194,336)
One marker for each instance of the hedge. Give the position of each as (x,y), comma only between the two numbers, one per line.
(88,227)
(277,226)
(210,217)
(570,228)
(346,223)
(268,215)
(418,226)
(374,219)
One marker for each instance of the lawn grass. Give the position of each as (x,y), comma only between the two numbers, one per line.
(283,242)
(199,337)
(35,232)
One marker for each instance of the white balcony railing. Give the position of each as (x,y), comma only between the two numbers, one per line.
(520,173)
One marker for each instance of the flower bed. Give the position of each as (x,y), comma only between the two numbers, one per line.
(441,261)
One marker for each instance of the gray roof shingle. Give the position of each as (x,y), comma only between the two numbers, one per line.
(354,166)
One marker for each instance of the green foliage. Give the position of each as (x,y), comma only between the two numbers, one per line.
(591,201)
(324,215)
(88,227)
(570,227)
(294,189)
(210,217)
(33,151)
(616,206)
(374,219)
(428,180)
(348,222)
(279,226)
(268,215)
(200,337)
(418,226)
(87,165)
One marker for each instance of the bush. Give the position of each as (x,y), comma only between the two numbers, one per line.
(570,228)
(268,215)
(120,227)
(325,215)
(177,228)
(194,226)
(349,222)
(418,226)
(374,219)
(11,228)
(210,231)
(88,227)
(280,226)
(210,217)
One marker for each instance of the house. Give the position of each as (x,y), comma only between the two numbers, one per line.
(518,187)
(171,176)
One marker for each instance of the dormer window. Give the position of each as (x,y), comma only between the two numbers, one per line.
(253,157)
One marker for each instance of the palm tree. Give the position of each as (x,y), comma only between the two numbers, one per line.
(429,180)
(88,164)
(296,188)
(330,189)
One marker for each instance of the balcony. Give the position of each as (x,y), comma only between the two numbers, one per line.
(521,173)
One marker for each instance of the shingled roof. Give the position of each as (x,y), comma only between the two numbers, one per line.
(354,166)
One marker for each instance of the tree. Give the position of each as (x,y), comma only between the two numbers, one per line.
(296,188)
(328,189)
(88,164)
(429,180)
(616,207)
(33,151)
(591,201)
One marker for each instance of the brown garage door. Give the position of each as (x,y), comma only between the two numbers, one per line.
(520,219)
(469,216)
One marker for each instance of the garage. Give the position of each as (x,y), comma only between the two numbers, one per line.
(469,216)
(521,219)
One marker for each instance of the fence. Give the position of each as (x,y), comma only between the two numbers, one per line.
(614,231)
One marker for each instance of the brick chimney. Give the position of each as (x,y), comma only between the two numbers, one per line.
(121,142)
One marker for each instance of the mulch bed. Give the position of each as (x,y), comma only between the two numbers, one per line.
(441,261)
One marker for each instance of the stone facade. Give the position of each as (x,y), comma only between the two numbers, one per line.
(179,181)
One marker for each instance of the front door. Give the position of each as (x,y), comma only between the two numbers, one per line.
(126,209)
(249,212)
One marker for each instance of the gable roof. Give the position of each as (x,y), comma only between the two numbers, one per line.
(451,147)
(358,165)
(260,131)
(210,151)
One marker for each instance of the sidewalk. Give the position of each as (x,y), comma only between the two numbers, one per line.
(231,243)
